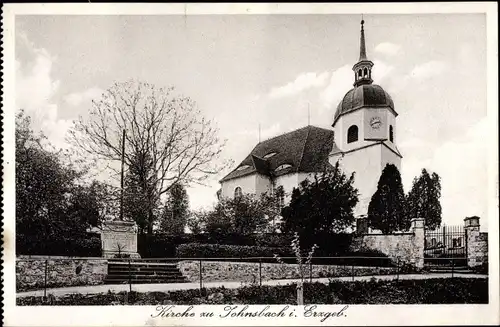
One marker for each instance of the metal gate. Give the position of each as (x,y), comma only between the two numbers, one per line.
(446,246)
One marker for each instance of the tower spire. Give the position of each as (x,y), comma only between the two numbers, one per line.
(362,46)
(363,68)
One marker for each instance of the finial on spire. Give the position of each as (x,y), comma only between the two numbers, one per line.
(363,68)
(362,46)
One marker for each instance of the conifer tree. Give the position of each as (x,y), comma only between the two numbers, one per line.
(423,199)
(176,210)
(386,210)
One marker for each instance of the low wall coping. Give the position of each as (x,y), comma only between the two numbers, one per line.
(396,234)
(57,257)
(286,264)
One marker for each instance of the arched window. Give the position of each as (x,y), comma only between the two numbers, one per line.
(360,73)
(237,192)
(284,166)
(352,134)
(391,134)
(366,72)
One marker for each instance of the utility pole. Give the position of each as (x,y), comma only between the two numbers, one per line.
(121,180)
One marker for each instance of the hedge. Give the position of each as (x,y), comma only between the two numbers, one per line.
(364,257)
(164,245)
(84,246)
(196,250)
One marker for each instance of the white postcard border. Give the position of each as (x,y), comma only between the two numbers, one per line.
(141,315)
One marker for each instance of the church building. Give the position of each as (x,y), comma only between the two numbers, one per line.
(363,139)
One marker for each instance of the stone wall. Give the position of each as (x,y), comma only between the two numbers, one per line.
(213,271)
(403,247)
(61,271)
(394,246)
(477,242)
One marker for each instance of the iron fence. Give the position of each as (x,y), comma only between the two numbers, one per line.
(206,272)
(444,243)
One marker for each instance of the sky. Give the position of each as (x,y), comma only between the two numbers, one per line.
(249,70)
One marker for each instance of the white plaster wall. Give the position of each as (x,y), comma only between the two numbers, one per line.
(366,163)
(358,118)
(343,124)
(288,182)
(262,184)
(389,157)
(247,184)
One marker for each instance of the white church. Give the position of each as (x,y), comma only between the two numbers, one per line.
(363,139)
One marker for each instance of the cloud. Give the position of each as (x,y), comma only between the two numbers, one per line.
(265,133)
(387,48)
(35,90)
(462,164)
(34,84)
(381,70)
(428,69)
(77,98)
(340,82)
(303,82)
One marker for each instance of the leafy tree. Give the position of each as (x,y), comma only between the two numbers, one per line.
(386,210)
(94,203)
(424,199)
(243,215)
(175,142)
(176,211)
(324,204)
(46,188)
(141,201)
(196,221)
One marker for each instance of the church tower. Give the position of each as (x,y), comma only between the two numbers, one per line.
(364,127)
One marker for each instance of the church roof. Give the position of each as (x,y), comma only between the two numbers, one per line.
(302,150)
(367,95)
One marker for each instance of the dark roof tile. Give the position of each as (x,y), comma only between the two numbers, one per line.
(305,149)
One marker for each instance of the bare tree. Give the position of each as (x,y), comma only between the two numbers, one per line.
(184,147)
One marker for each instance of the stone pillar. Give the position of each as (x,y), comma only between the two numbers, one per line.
(471,225)
(418,229)
(119,238)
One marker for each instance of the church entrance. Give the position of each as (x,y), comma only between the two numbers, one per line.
(446,247)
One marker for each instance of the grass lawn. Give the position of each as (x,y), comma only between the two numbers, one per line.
(427,291)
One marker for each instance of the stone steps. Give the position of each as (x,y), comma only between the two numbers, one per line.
(141,272)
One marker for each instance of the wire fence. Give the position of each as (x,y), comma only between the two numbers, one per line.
(47,273)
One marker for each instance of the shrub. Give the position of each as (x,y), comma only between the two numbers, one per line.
(84,246)
(363,257)
(164,245)
(481,269)
(273,240)
(195,250)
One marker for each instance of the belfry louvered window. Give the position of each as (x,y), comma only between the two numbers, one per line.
(352,134)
